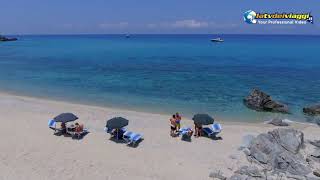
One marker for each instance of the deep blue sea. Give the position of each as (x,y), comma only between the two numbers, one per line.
(166,73)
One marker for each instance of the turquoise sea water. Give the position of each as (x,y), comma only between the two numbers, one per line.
(166,73)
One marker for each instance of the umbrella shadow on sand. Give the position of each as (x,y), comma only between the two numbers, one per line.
(118,141)
(80,137)
(122,141)
(59,133)
(186,139)
(136,144)
(215,138)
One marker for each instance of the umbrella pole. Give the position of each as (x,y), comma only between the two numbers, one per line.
(117,134)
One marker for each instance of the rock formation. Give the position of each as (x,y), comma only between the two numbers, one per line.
(260,101)
(312,110)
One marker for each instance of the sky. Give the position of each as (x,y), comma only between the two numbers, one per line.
(149,16)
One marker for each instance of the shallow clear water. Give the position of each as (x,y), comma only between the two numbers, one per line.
(166,73)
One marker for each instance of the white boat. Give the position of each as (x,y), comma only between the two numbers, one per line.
(217,40)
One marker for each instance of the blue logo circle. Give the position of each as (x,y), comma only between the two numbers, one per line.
(250,17)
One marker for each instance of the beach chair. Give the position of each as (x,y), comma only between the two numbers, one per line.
(184,132)
(132,138)
(52,124)
(213,131)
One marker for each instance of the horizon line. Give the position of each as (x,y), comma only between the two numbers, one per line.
(75,34)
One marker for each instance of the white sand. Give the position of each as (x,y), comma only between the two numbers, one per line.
(29,150)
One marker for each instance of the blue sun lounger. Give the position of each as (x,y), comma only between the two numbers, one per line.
(184,133)
(52,124)
(213,131)
(132,138)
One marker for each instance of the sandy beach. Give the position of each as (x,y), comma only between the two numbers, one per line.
(29,150)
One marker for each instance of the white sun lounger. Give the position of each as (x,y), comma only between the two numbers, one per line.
(132,138)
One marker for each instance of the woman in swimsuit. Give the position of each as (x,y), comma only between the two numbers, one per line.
(178,121)
(173,125)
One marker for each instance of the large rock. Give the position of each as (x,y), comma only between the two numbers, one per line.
(251,171)
(290,139)
(312,110)
(2,38)
(278,150)
(316,172)
(292,164)
(217,175)
(261,101)
(278,122)
(315,143)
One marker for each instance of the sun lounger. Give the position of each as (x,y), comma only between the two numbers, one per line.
(184,132)
(132,138)
(52,124)
(213,131)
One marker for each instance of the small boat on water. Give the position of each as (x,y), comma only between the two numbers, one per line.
(2,38)
(127,35)
(217,40)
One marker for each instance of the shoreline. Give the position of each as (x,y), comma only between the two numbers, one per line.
(115,109)
(70,102)
(259,118)
(33,152)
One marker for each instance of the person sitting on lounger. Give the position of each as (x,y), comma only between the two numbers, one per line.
(173,125)
(178,121)
(197,130)
(117,133)
(63,128)
(78,127)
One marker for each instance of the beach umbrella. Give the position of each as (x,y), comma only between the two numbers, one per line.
(65,117)
(203,119)
(117,123)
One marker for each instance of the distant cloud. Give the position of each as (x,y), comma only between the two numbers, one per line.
(190,23)
(215,25)
(113,25)
(152,25)
(67,26)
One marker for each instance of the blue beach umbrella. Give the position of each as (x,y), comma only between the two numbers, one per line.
(202,119)
(65,117)
(117,123)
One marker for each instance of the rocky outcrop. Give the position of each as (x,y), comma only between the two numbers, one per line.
(274,155)
(279,150)
(260,101)
(278,122)
(278,154)
(315,143)
(217,175)
(317,172)
(312,110)
(2,38)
